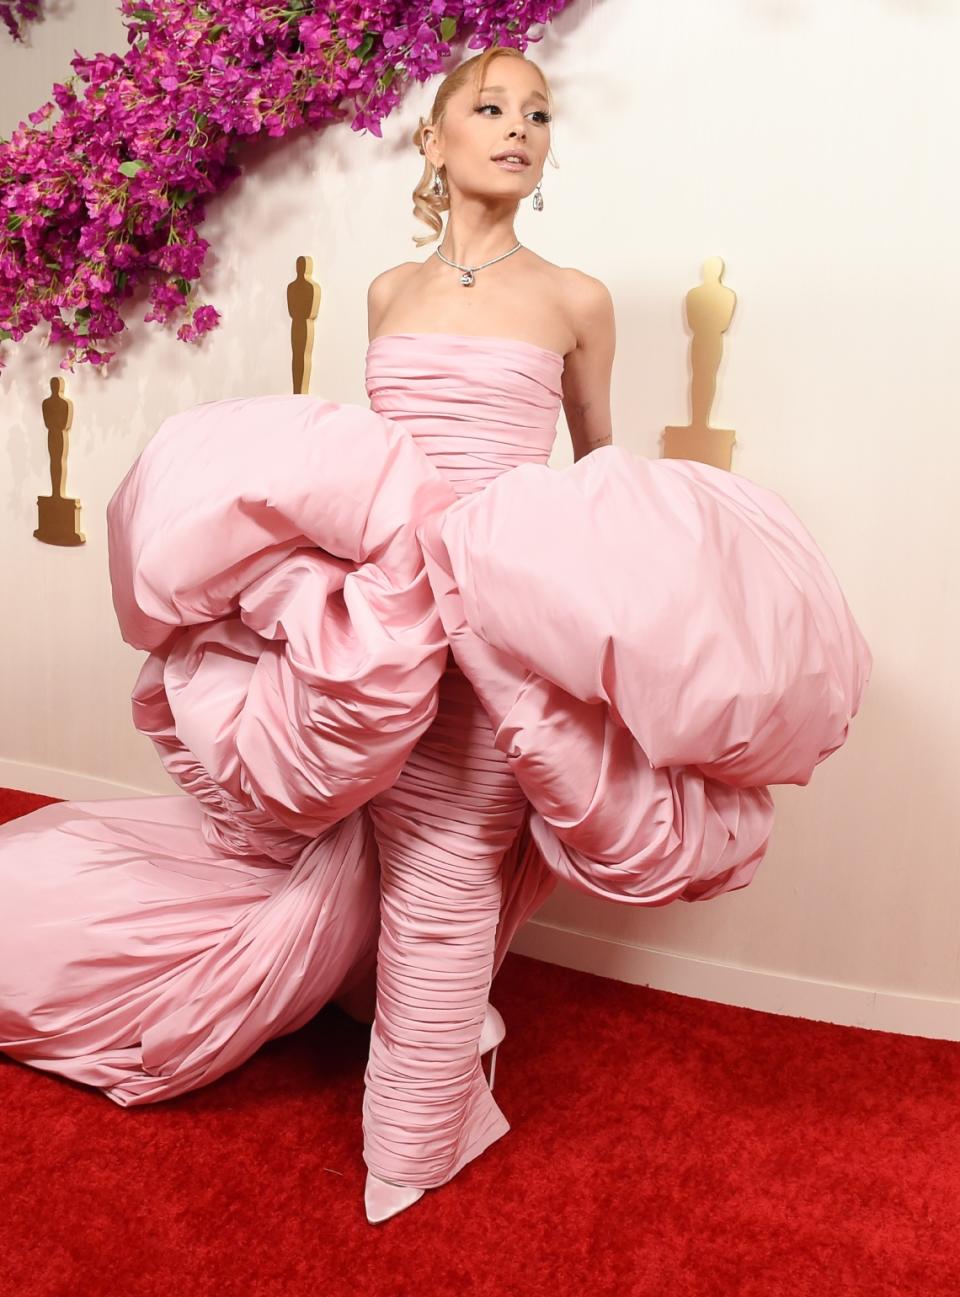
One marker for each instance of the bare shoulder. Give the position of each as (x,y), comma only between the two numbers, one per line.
(590,304)
(585,302)
(383,288)
(393,275)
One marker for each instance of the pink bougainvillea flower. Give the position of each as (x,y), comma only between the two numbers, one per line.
(111,193)
(15,14)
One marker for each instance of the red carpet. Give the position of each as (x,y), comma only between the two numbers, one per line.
(661,1146)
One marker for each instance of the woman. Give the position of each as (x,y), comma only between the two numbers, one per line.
(427,1108)
(410,676)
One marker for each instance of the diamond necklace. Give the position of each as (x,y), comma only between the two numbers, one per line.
(466,278)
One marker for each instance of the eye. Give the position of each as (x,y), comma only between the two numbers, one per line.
(539,112)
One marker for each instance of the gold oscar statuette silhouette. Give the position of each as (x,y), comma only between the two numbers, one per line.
(710,308)
(59,517)
(303,303)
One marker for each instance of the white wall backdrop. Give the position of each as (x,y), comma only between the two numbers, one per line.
(811,145)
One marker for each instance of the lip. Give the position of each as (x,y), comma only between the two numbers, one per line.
(520,153)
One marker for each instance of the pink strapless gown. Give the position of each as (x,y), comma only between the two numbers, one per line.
(410,676)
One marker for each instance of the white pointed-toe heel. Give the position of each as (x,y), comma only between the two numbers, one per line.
(491,1034)
(383,1199)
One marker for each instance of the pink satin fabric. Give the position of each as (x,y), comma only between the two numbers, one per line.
(476,407)
(442,831)
(410,676)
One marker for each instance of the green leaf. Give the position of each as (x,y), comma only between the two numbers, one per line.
(183,285)
(363,50)
(145,15)
(132,168)
(448,27)
(5,336)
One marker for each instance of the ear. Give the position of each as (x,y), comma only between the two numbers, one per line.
(430,146)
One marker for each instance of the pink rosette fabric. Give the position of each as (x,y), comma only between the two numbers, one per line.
(410,677)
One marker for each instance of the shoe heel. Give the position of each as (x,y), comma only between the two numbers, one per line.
(491,1035)
(493,1066)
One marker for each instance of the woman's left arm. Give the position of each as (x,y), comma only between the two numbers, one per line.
(587,369)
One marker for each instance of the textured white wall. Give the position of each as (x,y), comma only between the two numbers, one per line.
(807,143)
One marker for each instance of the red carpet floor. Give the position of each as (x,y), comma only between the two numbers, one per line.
(661,1146)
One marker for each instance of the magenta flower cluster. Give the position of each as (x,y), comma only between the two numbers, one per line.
(15,13)
(111,194)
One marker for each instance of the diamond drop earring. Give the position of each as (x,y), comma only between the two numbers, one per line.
(537,199)
(437,184)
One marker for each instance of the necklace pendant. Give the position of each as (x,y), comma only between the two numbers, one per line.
(467,278)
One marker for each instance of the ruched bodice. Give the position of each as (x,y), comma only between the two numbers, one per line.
(477,405)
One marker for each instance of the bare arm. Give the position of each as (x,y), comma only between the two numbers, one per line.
(587,369)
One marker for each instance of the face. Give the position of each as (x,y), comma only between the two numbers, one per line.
(509,114)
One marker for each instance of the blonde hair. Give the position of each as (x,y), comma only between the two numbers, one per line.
(427,204)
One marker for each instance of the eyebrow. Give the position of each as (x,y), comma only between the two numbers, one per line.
(534,94)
